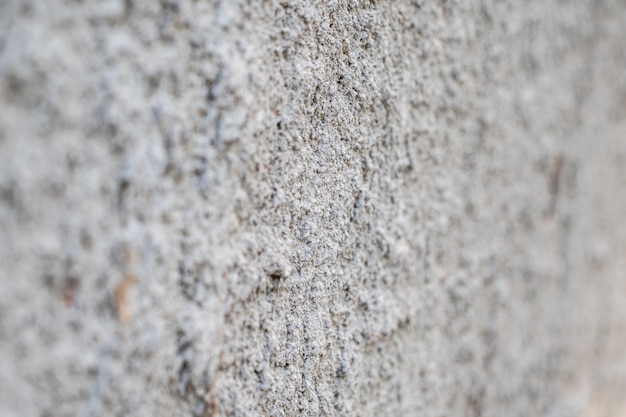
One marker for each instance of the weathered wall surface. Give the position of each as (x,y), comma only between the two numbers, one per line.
(312,208)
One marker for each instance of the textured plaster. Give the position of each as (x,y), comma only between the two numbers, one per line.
(299,207)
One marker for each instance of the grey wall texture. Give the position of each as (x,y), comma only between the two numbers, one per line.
(317,208)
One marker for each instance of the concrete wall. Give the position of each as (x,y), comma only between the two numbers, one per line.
(368,208)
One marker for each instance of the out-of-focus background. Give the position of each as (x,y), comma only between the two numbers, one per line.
(234,208)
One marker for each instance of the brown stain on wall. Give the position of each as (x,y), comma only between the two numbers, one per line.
(122,289)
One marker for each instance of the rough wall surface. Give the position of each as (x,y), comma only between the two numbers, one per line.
(369,208)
